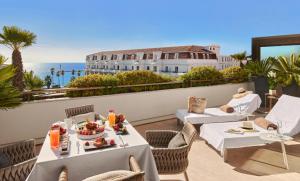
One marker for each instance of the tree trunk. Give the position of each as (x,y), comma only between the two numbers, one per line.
(18,80)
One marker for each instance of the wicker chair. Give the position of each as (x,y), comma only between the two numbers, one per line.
(136,174)
(21,157)
(74,111)
(171,160)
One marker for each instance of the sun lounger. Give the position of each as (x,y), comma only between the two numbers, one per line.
(247,104)
(286,110)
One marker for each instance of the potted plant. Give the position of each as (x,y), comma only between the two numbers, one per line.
(259,72)
(288,74)
(272,85)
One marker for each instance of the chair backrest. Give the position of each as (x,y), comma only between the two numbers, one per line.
(19,152)
(189,133)
(70,112)
(248,103)
(287,111)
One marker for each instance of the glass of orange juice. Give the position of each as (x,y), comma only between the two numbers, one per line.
(54,138)
(111,118)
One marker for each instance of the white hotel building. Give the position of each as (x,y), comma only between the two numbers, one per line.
(168,60)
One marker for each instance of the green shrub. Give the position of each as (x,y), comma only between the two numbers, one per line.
(204,75)
(140,77)
(235,74)
(94,80)
(32,81)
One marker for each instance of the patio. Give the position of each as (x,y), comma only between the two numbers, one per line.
(253,163)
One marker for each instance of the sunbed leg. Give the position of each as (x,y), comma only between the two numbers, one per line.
(178,122)
(225,155)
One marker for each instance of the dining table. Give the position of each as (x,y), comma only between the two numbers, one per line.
(82,164)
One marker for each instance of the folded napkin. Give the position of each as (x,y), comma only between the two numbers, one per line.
(226,108)
(263,123)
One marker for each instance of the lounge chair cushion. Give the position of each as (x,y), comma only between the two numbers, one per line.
(117,175)
(177,141)
(4,161)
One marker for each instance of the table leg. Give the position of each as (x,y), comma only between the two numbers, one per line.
(270,104)
(284,155)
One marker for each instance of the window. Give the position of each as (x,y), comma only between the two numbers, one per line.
(166,69)
(125,67)
(87,58)
(118,67)
(171,55)
(145,56)
(163,56)
(148,68)
(155,68)
(123,57)
(132,67)
(114,67)
(137,67)
(184,55)
(114,57)
(94,57)
(176,69)
(150,56)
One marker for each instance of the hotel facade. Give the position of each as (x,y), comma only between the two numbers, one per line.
(173,61)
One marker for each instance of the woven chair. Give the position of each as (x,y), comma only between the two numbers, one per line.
(136,174)
(74,111)
(21,157)
(171,160)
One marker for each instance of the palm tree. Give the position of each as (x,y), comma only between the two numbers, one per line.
(287,69)
(63,76)
(57,75)
(73,72)
(10,97)
(48,81)
(52,70)
(240,57)
(16,38)
(78,73)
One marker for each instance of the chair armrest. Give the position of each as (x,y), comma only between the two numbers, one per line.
(160,138)
(19,171)
(63,175)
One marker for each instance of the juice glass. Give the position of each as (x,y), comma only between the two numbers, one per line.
(54,138)
(111,118)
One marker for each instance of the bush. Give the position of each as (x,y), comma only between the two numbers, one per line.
(235,74)
(140,77)
(32,81)
(205,75)
(94,80)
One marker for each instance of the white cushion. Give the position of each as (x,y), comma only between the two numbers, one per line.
(249,104)
(287,111)
(83,117)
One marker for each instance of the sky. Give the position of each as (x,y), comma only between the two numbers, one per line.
(68,30)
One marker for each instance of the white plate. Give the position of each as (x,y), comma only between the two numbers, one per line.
(90,137)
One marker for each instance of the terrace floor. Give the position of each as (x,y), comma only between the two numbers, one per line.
(256,163)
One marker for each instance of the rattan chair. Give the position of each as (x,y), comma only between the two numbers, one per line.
(74,111)
(136,174)
(21,157)
(171,160)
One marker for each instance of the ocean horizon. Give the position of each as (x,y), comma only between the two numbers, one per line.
(44,69)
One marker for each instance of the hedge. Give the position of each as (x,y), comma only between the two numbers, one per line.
(205,75)
(114,84)
(234,74)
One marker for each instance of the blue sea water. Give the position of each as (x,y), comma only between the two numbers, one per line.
(43,69)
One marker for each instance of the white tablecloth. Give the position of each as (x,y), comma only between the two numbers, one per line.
(249,104)
(85,164)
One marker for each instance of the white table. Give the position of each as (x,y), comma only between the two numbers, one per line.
(273,137)
(82,164)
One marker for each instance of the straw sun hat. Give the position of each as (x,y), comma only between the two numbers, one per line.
(241,92)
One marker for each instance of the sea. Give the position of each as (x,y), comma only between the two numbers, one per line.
(44,69)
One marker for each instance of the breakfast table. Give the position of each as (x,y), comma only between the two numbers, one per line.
(82,164)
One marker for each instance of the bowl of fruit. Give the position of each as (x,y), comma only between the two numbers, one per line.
(90,130)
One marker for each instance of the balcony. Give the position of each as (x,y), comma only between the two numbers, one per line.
(155,110)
